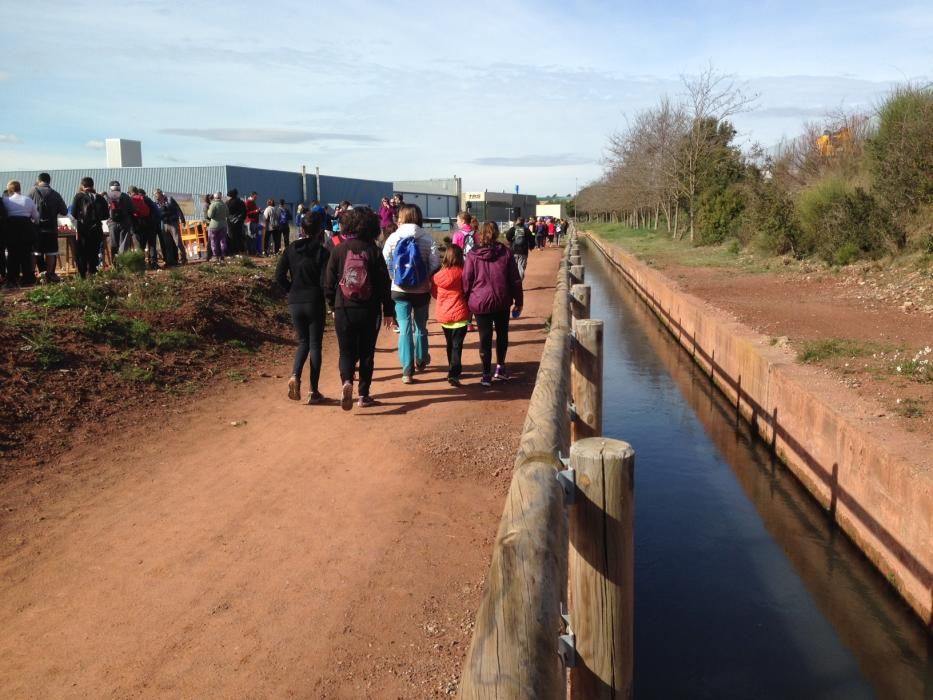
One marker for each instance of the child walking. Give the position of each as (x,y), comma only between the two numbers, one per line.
(452,311)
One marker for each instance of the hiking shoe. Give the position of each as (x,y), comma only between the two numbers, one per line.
(294,388)
(485,381)
(346,398)
(406,379)
(366,401)
(501,375)
(315,397)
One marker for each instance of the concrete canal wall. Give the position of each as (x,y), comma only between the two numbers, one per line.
(881,500)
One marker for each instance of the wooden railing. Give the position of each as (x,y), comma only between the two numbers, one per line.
(565,537)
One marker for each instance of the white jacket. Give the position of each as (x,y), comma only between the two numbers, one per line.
(426,246)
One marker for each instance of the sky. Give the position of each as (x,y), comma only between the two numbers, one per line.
(501,93)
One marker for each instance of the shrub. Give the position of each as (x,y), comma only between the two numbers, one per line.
(900,154)
(719,215)
(175,340)
(840,222)
(132,261)
(774,221)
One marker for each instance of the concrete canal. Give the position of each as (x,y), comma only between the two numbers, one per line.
(744,587)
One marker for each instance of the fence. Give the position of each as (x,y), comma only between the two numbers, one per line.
(559,593)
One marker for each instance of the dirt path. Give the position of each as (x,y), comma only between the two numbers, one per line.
(304,552)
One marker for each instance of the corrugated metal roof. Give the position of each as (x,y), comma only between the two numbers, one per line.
(369,192)
(197,180)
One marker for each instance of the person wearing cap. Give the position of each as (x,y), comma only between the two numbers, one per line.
(120,223)
(217,226)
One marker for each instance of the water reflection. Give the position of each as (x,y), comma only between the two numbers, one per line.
(744,588)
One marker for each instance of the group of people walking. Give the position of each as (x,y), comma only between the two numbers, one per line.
(367,288)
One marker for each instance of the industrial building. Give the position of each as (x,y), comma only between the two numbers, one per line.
(499,206)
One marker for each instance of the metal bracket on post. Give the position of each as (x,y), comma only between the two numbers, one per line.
(567,642)
(567,479)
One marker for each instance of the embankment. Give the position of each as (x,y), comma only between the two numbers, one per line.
(882,500)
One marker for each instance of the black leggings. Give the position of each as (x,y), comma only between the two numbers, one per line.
(308,319)
(357,331)
(485,324)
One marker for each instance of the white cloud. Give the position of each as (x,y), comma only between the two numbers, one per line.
(95,145)
(8,138)
(266,135)
(545,160)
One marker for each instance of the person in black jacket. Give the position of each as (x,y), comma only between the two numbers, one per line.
(236,218)
(300,271)
(521,241)
(357,286)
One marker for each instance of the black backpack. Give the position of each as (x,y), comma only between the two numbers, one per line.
(94,209)
(48,219)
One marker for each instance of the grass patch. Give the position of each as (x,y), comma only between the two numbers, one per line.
(42,345)
(237,375)
(175,340)
(152,296)
(76,294)
(118,330)
(822,350)
(659,249)
(137,374)
(915,370)
(240,346)
(910,408)
(230,269)
(131,262)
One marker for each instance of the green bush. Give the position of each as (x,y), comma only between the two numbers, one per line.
(132,261)
(719,215)
(900,153)
(841,223)
(773,221)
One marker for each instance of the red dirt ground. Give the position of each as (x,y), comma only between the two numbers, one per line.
(238,544)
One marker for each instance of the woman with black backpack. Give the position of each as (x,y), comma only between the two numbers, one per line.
(301,271)
(357,287)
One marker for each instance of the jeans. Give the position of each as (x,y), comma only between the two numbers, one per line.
(357,331)
(455,338)
(308,319)
(485,324)
(218,241)
(412,316)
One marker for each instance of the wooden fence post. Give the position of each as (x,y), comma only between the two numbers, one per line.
(602,569)
(586,379)
(579,302)
(576,274)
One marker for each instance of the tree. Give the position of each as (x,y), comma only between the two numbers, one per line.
(711,98)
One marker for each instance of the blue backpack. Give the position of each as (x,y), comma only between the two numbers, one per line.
(407,265)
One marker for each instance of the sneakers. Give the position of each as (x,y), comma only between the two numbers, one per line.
(470,328)
(294,388)
(366,402)
(315,398)
(396,329)
(453,381)
(485,381)
(421,366)
(346,397)
(501,375)
(406,379)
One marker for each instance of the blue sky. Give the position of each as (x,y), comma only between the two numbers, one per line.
(501,93)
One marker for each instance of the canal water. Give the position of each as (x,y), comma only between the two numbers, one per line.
(743,587)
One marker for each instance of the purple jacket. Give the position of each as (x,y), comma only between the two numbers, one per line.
(490,279)
(386,215)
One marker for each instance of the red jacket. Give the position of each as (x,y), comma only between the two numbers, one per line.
(252,211)
(447,288)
